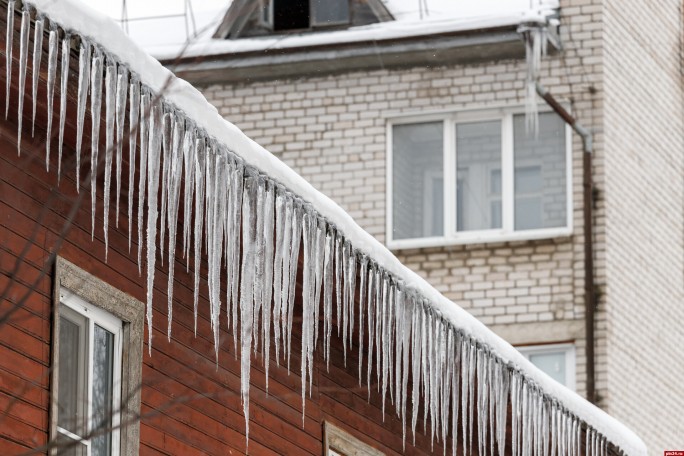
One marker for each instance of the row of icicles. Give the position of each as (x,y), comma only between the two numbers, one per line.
(253,229)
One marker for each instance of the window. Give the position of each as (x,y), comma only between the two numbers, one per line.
(477,177)
(557,361)
(305,14)
(88,398)
(337,442)
(98,366)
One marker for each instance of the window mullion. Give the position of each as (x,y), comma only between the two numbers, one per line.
(449,178)
(507,174)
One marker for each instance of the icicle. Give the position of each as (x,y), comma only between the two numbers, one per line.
(175,174)
(23,62)
(406,341)
(344,321)
(231,231)
(297,222)
(287,245)
(200,166)
(338,281)
(133,127)
(280,247)
(362,296)
(493,375)
(424,360)
(466,421)
(503,387)
(259,258)
(266,306)
(121,96)
(53,49)
(95,113)
(350,282)
(145,125)
(399,307)
(167,133)
(83,84)
(152,189)
(455,388)
(247,290)
(236,191)
(378,324)
(372,285)
(9,38)
(416,338)
(328,295)
(319,256)
(217,182)
(189,151)
(64,82)
(37,54)
(535,38)
(110,101)
(308,277)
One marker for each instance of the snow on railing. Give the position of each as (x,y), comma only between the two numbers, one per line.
(254,213)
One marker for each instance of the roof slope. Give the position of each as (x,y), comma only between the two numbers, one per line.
(249,189)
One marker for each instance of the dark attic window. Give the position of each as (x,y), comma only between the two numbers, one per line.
(290,14)
(305,14)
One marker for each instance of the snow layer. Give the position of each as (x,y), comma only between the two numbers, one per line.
(78,18)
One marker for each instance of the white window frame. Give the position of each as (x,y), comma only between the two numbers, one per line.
(507,232)
(570,358)
(94,315)
(337,442)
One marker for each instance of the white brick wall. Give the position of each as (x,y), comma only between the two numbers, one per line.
(332,130)
(644,219)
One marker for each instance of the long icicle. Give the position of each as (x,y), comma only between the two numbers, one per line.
(53,50)
(9,39)
(83,84)
(152,190)
(110,114)
(37,54)
(121,96)
(133,127)
(23,61)
(95,114)
(247,291)
(175,175)
(200,167)
(64,83)
(145,125)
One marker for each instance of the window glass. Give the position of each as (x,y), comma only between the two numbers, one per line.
(103,388)
(290,14)
(418,180)
(71,340)
(330,12)
(552,364)
(540,173)
(478,163)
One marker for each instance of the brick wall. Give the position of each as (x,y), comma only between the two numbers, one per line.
(644,219)
(332,130)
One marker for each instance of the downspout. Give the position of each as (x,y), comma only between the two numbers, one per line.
(587,185)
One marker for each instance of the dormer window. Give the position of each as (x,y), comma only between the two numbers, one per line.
(284,15)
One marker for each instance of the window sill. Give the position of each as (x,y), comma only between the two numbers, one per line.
(481,237)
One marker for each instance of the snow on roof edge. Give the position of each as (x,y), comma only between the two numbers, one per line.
(77,17)
(362,34)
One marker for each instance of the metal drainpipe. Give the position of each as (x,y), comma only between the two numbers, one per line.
(587,184)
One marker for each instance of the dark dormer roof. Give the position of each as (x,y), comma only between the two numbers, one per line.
(251,18)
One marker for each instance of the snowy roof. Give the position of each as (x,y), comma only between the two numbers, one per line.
(403,293)
(410,20)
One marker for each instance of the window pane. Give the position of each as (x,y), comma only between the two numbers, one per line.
(70,404)
(540,174)
(103,376)
(478,170)
(417,180)
(553,364)
(330,12)
(70,447)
